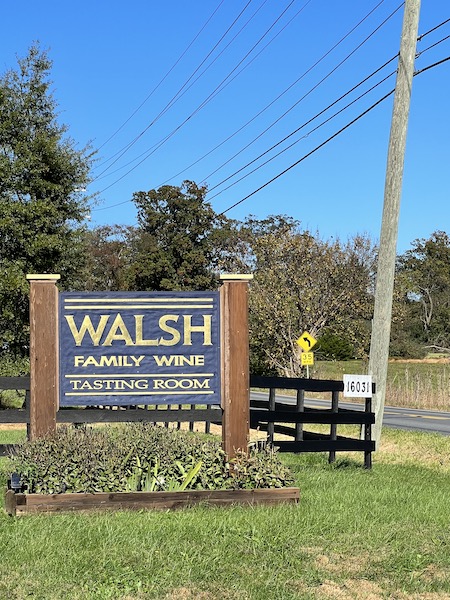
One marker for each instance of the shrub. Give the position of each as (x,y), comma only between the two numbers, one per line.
(139,456)
(331,346)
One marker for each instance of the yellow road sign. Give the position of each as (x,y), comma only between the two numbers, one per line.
(306,341)
(307,358)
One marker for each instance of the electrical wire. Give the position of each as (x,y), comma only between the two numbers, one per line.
(173,99)
(218,88)
(341,110)
(314,150)
(420,38)
(213,96)
(165,76)
(316,116)
(317,62)
(304,96)
(440,62)
(370,108)
(277,98)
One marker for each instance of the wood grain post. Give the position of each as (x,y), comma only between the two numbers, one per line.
(235,363)
(43,354)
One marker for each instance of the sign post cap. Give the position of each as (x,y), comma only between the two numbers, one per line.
(236,277)
(43,276)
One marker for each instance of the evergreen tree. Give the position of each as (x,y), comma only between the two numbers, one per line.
(41,205)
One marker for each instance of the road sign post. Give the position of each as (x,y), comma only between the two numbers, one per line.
(306,342)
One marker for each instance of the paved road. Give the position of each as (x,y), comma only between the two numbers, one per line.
(399,418)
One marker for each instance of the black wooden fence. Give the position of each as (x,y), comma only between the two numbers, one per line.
(178,414)
(288,416)
(269,414)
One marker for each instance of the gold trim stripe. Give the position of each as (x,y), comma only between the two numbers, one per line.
(137,299)
(134,306)
(125,375)
(147,393)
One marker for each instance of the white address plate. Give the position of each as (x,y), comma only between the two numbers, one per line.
(358,386)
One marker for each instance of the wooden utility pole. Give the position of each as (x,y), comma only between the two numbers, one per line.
(381,325)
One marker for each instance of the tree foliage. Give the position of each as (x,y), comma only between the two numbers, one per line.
(108,250)
(180,243)
(423,284)
(304,283)
(40,207)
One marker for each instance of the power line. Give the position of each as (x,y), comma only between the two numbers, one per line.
(215,94)
(165,76)
(309,153)
(440,62)
(276,99)
(427,68)
(218,88)
(344,108)
(316,116)
(153,149)
(173,99)
(305,95)
(420,38)
(314,150)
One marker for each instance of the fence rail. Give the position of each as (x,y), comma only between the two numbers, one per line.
(270,414)
(287,417)
(160,414)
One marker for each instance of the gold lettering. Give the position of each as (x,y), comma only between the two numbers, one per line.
(174,332)
(205,329)
(113,335)
(87,326)
(179,360)
(139,333)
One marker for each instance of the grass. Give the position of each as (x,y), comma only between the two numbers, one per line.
(410,384)
(356,534)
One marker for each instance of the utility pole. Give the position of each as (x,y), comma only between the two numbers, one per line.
(381,325)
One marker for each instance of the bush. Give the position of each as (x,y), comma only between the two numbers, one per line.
(139,456)
(334,347)
(402,345)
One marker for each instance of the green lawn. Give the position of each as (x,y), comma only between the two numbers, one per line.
(357,534)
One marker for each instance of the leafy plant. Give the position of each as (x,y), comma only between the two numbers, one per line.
(139,457)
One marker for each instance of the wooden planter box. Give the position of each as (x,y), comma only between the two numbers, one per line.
(20,504)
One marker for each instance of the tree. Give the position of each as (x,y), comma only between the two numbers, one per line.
(424,280)
(180,243)
(41,207)
(108,249)
(304,283)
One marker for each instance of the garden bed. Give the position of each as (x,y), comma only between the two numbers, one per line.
(21,504)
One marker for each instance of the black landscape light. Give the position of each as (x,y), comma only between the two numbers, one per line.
(15,482)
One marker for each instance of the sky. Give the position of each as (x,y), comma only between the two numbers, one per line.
(208,90)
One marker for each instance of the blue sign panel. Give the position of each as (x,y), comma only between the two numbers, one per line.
(139,348)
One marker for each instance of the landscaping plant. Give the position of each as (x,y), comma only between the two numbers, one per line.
(139,457)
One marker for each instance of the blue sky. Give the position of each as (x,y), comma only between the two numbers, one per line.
(281,57)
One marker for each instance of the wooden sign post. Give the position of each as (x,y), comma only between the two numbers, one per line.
(43,354)
(235,363)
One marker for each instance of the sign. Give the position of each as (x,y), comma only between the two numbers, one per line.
(306,341)
(139,348)
(307,358)
(357,386)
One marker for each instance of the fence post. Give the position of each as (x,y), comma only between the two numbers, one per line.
(235,362)
(368,435)
(333,428)
(43,354)
(299,408)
